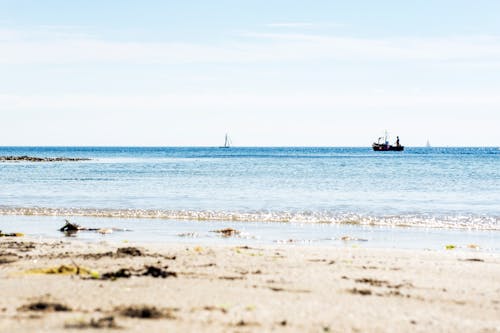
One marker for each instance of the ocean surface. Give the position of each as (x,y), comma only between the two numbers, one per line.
(451,188)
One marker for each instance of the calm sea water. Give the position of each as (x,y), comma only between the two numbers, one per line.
(433,187)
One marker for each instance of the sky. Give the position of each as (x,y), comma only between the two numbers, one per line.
(269,73)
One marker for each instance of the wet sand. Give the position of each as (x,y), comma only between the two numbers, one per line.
(129,287)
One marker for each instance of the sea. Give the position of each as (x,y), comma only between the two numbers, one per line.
(331,196)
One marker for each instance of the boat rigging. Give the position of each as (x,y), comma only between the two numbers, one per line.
(385,146)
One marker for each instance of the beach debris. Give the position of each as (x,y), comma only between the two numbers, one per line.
(383,283)
(64,270)
(119,253)
(13,234)
(104,322)
(473,246)
(211,264)
(71,228)
(164,256)
(248,253)
(231,278)
(250,307)
(146,312)
(257,272)
(189,234)
(363,292)
(372,282)
(292,241)
(157,272)
(7,258)
(43,306)
(129,251)
(349,238)
(280,289)
(369,267)
(328,262)
(246,247)
(450,247)
(222,308)
(227,232)
(473,260)
(121,273)
(153,271)
(242,323)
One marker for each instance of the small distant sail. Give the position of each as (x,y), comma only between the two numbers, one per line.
(428,144)
(227,142)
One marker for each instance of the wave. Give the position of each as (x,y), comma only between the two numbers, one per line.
(468,222)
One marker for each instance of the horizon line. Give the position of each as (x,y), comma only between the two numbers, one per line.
(216,146)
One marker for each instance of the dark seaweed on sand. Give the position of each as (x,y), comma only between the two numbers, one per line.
(153,271)
(45,307)
(146,312)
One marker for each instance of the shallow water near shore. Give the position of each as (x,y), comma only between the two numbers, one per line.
(158,231)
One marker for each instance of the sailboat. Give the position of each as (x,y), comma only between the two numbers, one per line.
(227,142)
(428,144)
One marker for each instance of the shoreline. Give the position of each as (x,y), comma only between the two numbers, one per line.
(151,231)
(455,221)
(244,288)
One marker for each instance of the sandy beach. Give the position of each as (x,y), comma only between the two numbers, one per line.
(250,166)
(63,286)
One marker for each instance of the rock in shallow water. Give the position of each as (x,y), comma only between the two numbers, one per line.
(40,159)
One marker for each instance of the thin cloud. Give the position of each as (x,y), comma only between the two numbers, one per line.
(335,47)
(65,47)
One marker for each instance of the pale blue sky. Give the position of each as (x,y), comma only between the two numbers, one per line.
(273,73)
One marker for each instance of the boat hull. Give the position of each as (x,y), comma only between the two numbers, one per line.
(384,147)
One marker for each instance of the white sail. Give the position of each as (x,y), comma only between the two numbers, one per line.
(227,141)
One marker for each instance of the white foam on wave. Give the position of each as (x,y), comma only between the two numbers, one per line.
(469,222)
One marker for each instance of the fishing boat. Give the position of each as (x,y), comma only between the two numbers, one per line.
(385,146)
(227,142)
